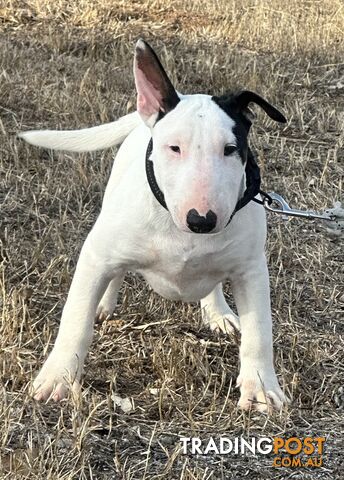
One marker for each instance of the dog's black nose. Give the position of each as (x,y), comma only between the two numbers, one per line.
(199,224)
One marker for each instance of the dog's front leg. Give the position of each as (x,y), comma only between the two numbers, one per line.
(257,379)
(64,365)
(216,313)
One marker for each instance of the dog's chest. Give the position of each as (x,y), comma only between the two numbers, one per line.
(186,270)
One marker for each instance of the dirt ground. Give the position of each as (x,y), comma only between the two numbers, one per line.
(68,64)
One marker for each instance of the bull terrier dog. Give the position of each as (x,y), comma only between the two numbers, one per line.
(178,210)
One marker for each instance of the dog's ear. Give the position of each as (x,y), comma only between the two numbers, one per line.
(242,99)
(155,92)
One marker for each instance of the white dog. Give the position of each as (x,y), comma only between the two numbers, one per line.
(181,218)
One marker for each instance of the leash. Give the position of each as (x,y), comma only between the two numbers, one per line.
(333,219)
(287,211)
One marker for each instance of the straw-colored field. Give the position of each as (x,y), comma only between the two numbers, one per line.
(68,64)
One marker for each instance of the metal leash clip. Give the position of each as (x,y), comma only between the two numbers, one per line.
(287,211)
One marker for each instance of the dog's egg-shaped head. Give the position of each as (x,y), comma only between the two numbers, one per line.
(200,145)
(199,164)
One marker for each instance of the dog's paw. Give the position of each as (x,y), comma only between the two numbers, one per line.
(227,323)
(103,313)
(57,376)
(260,391)
(105,309)
(108,301)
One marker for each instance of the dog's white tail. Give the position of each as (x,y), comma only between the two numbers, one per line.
(86,139)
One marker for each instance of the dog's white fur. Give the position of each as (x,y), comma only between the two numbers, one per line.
(134,233)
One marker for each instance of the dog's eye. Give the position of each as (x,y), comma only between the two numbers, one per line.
(175,148)
(229,149)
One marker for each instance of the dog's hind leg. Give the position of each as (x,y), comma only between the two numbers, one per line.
(217,314)
(108,302)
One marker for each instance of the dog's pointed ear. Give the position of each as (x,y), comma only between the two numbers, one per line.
(155,92)
(243,98)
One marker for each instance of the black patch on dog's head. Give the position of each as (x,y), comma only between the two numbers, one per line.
(236,107)
(242,123)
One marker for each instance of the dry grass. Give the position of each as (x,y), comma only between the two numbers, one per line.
(68,64)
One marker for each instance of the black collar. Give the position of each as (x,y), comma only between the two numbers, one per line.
(151,176)
(252,181)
